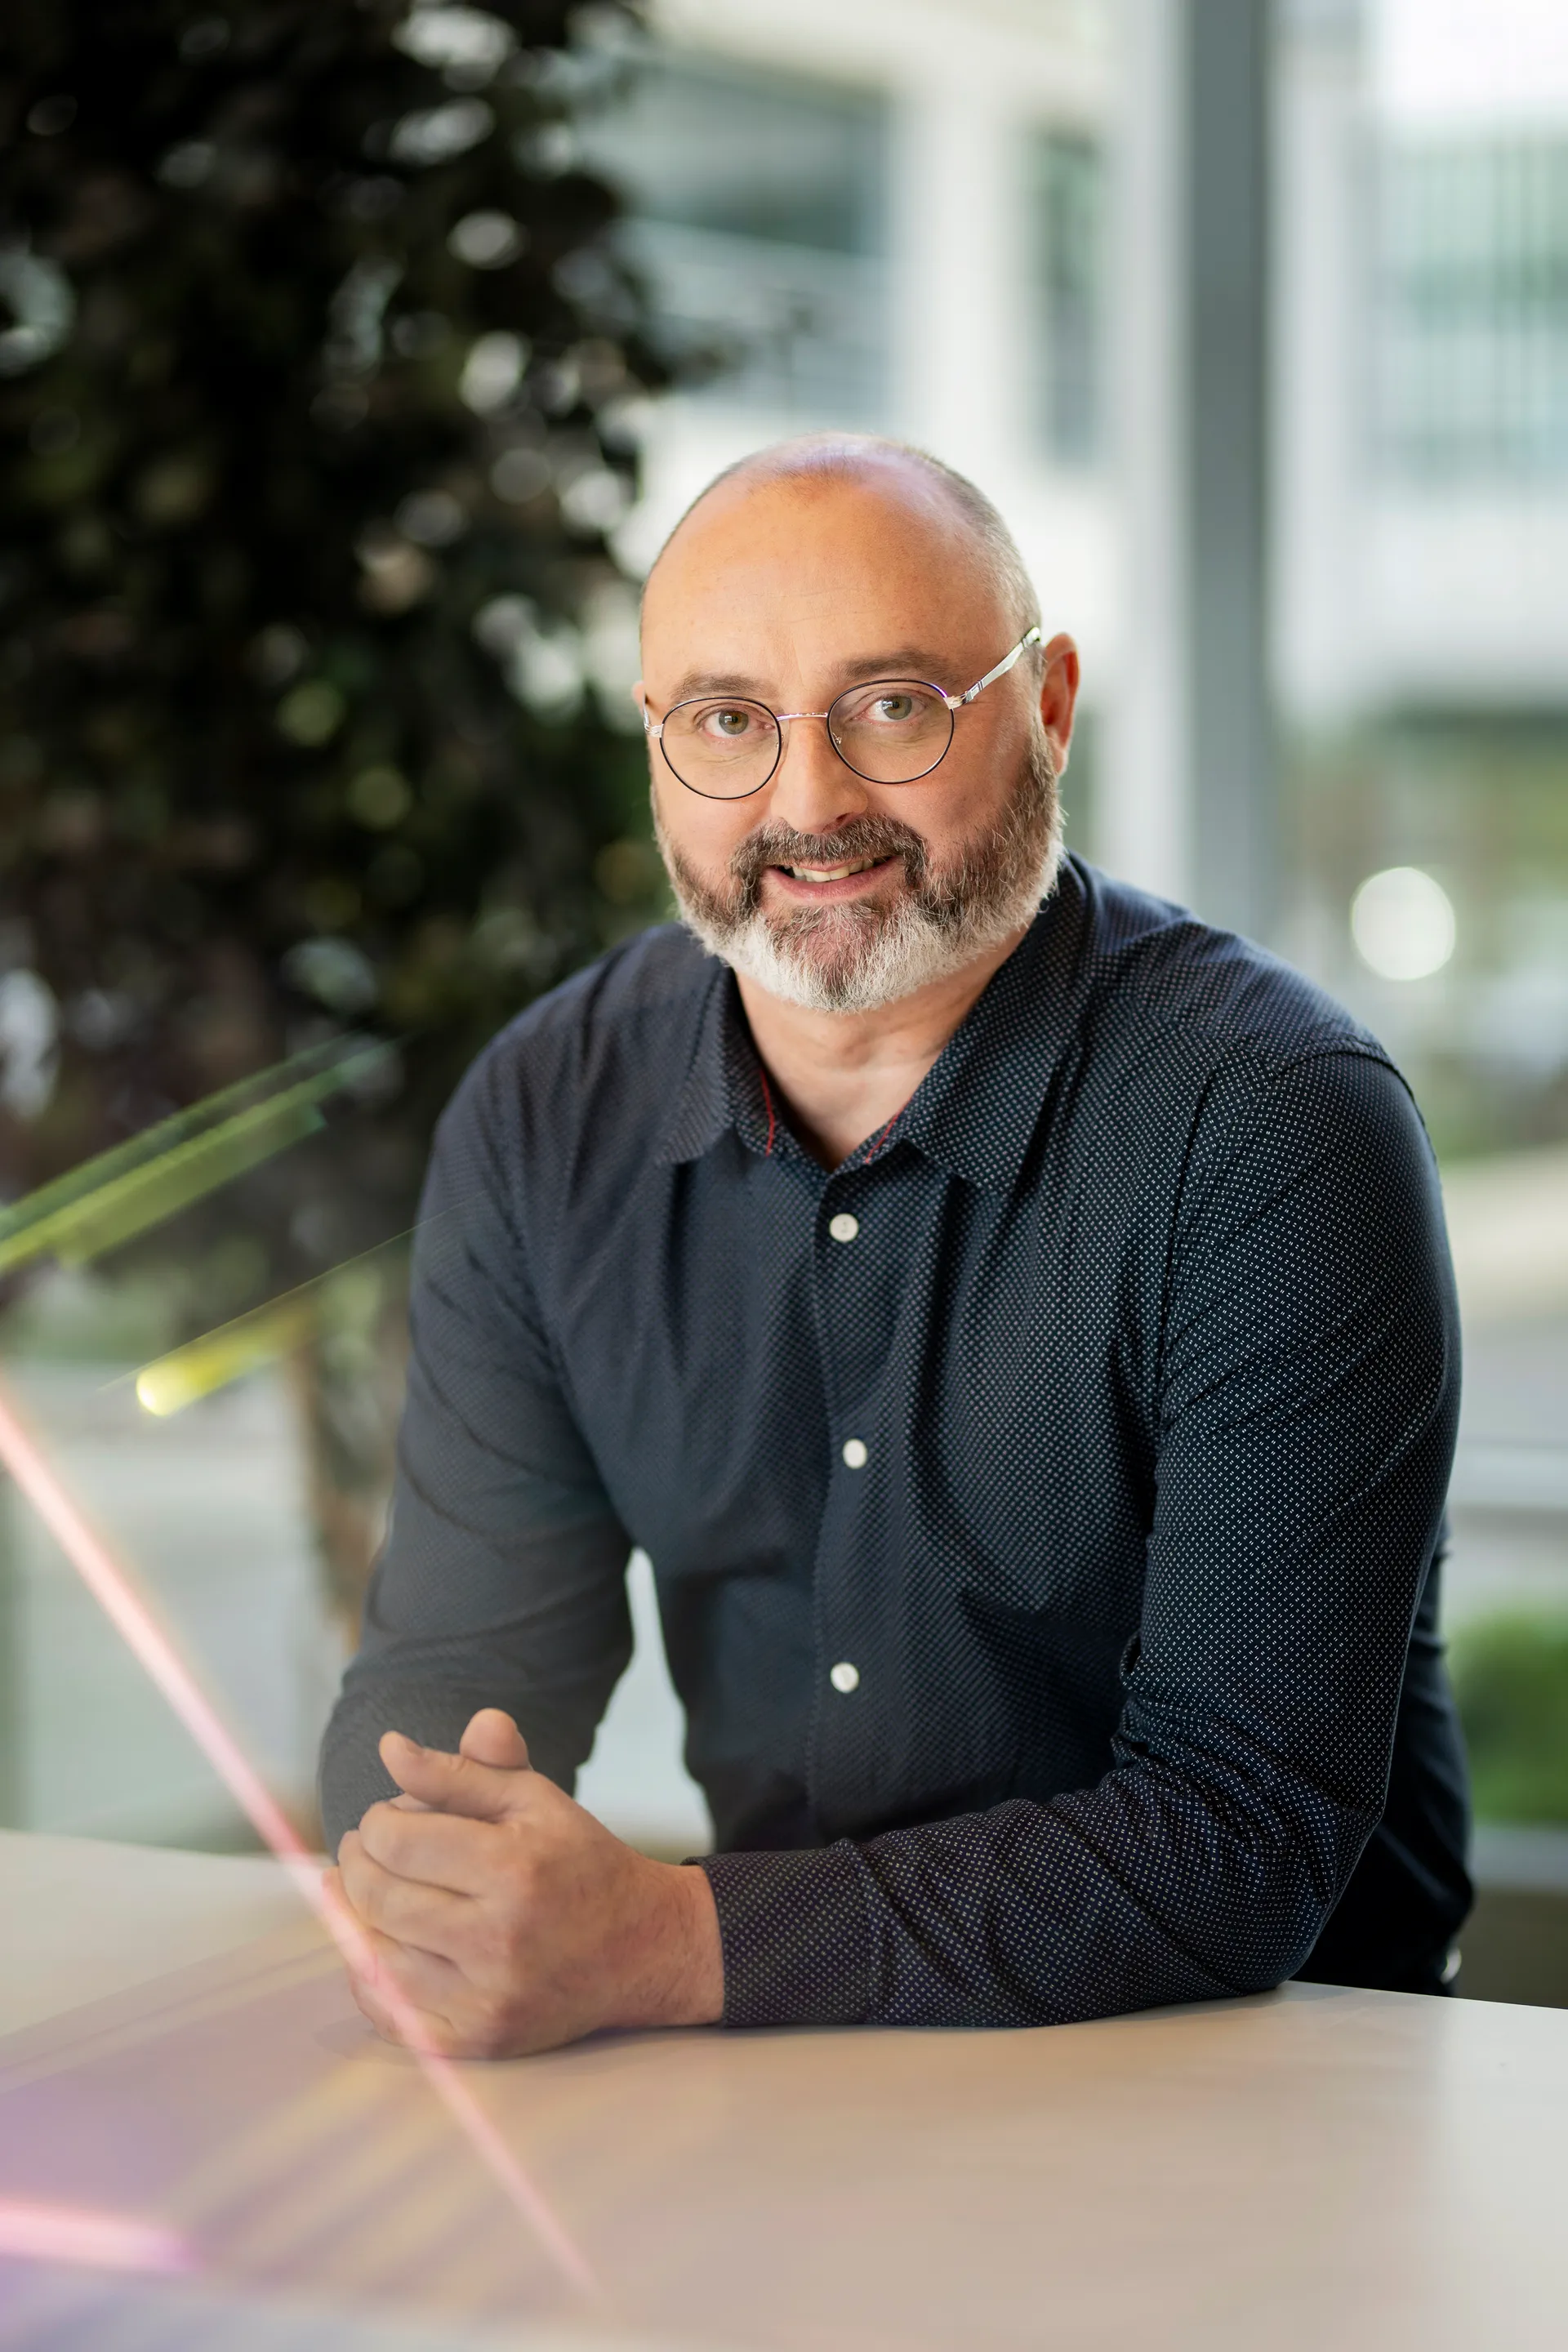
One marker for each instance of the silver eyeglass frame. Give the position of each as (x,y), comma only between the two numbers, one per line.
(953,703)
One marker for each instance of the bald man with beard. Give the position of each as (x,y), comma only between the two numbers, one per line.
(1014,1319)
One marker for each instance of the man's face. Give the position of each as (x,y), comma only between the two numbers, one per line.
(827,888)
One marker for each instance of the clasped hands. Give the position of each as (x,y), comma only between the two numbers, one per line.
(492,1913)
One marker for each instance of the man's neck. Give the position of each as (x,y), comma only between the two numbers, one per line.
(844,1076)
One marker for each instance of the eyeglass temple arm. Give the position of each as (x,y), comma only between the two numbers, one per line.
(957,701)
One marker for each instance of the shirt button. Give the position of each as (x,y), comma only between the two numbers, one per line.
(844,1227)
(844,1676)
(855,1454)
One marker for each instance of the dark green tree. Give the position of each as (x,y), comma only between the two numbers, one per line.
(316,373)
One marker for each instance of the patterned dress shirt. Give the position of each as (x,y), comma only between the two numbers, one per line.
(1045,1505)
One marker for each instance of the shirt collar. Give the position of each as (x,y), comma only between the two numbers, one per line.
(974,1112)
(703,1109)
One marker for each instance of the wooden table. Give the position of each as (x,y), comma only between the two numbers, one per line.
(1331,2170)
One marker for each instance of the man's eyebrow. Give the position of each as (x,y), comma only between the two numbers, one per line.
(715,681)
(902,661)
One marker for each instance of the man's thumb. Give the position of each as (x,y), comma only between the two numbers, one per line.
(452,1784)
(493,1738)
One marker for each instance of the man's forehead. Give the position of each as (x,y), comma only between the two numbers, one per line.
(872,549)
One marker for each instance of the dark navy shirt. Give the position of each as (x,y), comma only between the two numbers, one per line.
(1043,1504)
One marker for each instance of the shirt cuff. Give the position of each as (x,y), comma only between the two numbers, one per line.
(797,1935)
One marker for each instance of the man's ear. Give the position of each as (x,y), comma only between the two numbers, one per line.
(1061,676)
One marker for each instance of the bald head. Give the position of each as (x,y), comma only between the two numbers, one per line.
(892,473)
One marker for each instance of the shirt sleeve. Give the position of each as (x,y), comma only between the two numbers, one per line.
(502,1579)
(1305,1422)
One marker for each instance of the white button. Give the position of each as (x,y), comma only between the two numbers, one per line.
(855,1454)
(844,1227)
(844,1676)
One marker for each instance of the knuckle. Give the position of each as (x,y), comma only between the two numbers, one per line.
(378,1832)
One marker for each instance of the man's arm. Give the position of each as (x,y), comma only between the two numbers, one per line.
(503,1582)
(1308,1397)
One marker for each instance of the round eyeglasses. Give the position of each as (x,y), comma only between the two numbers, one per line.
(890,730)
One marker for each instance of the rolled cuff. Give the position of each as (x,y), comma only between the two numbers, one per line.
(795,1931)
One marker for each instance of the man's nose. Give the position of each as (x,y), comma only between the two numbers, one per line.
(812,789)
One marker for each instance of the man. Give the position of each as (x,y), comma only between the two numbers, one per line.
(1016,1320)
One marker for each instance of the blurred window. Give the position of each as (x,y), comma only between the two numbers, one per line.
(1471,331)
(758,210)
(1066,210)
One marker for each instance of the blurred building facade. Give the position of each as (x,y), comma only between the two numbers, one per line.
(905,216)
(1422,381)
(901,215)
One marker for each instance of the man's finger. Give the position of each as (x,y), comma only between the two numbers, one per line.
(423,1981)
(355,1937)
(437,1849)
(493,1737)
(406,2026)
(452,1784)
(427,1919)
(386,1967)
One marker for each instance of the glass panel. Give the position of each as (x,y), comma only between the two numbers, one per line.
(1471,290)
(700,143)
(757,213)
(1423,227)
(1066,210)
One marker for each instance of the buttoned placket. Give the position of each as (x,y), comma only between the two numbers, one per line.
(856,1284)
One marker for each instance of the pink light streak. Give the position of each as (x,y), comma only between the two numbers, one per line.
(104,2242)
(112,1587)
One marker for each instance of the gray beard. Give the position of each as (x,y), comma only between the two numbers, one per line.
(856,958)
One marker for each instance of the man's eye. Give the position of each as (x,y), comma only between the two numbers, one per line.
(891,710)
(727,725)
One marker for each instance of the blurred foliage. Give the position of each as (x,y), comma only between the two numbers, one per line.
(1510,1677)
(318,378)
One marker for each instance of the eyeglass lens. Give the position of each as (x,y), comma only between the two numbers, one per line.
(892,732)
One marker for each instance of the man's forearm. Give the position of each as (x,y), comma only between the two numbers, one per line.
(1120,1898)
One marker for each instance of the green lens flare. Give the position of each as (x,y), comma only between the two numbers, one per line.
(122,1192)
(204,1366)
(262,1335)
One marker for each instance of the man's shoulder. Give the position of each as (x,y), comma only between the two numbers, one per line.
(1150,968)
(595,1065)
(631,1015)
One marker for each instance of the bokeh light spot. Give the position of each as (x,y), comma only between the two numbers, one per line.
(486,240)
(1403,923)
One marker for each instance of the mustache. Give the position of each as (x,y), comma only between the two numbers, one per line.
(868,835)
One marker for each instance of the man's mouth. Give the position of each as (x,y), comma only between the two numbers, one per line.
(832,873)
